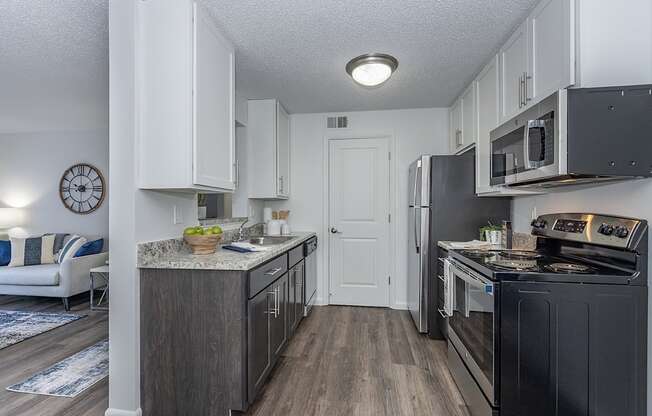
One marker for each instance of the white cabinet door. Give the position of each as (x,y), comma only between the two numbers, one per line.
(469,119)
(551,49)
(486,85)
(214,105)
(456,126)
(282,152)
(513,68)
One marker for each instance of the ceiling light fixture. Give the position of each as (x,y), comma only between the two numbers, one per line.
(372,69)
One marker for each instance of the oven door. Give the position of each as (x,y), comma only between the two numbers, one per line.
(473,326)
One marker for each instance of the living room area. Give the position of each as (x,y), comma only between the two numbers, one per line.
(54,212)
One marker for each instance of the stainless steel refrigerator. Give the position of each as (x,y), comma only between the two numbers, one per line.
(442,206)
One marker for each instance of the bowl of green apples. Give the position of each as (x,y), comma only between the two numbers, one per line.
(203,240)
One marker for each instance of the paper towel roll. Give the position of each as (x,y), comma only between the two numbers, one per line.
(267,214)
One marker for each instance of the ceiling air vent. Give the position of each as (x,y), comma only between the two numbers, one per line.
(340,122)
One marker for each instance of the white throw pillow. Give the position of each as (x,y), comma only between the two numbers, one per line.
(32,251)
(70,248)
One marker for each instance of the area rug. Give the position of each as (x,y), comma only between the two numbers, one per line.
(19,326)
(69,377)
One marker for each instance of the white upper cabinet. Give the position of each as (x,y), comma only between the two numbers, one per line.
(551,49)
(469,117)
(513,69)
(455,116)
(486,85)
(268,130)
(186,93)
(463,121)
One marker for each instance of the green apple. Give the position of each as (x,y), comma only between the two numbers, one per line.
(190,231)
(216,229)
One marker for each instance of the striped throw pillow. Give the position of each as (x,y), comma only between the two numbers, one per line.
(70,248)
(32,251)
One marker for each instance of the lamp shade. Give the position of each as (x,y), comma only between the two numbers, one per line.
(9,218)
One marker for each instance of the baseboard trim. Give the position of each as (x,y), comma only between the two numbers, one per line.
(400,306)
(121,412)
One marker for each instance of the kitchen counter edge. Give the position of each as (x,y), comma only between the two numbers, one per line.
(175,254)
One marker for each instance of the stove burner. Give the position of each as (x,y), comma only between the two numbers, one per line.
(518,265)
(477,253)
(569,268)
(520,254)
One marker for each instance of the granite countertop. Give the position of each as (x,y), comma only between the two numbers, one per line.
(175,254)
(447,245)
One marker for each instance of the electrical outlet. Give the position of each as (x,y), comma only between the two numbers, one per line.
(177,215)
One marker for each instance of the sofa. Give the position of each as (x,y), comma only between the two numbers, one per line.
(63,280)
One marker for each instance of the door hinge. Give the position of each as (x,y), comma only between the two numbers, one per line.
(389,280)
(389,217)
(389,156)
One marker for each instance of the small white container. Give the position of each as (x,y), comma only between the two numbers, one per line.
(285,229)
(274,227)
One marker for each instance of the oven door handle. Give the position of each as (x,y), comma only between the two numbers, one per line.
(473,280)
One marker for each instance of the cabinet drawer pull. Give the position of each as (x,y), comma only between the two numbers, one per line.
(272,272)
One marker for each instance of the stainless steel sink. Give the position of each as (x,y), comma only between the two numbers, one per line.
(267,240)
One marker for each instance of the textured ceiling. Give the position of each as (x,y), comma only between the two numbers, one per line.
(54,61)
(296,50)
(54,53)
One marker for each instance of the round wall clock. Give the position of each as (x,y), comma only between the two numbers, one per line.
(82,188)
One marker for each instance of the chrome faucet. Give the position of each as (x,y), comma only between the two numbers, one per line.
(241,230)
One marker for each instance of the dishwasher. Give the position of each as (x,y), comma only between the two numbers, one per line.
(310,253)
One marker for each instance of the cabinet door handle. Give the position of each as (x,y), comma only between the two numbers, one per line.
(275,310)
(525,88)
(278,301)
(520,92)
(442,313)
(272,272)
(441,278)
(458,136)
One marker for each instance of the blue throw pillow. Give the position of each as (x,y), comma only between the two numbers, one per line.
(92,247)
(5,252)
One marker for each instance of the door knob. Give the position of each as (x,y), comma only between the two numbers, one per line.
(334,230)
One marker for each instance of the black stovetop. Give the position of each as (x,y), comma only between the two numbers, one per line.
(500,265)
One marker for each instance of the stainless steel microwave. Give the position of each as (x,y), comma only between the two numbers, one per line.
(576,136)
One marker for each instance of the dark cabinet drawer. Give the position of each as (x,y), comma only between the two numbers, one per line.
(295,255)
(264,275)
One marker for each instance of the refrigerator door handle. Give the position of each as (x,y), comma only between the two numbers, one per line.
(416,181)
(417,235)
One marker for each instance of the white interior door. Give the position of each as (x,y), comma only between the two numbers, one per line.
(359,222)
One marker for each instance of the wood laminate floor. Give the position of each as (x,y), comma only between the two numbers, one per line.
(360,361)
(21,360)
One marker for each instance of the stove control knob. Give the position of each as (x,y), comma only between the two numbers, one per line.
(539,223)
(621,232)
(606,229)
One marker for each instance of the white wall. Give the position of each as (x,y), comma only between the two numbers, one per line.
(415,132)
(629,199)
(31,166)
(134,216)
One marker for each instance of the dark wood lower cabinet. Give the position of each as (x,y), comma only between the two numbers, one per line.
(278,331)
(209,338)
(573,349)
(258,343)
(296,282)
